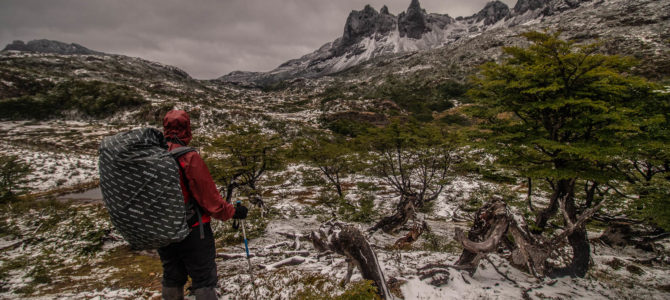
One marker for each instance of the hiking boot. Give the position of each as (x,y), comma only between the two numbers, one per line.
(206,293)
(173,293)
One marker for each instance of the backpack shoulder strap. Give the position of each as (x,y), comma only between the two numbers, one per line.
(190,203)
(177,152)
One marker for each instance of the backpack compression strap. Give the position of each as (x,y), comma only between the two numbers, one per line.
(176,153)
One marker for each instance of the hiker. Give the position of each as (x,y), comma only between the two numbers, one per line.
(193,256)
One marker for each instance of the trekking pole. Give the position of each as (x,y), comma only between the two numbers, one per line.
(246,247)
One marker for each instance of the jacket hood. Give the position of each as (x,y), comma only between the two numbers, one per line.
(177,124)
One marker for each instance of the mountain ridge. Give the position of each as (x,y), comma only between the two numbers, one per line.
(368,33)
(50,46)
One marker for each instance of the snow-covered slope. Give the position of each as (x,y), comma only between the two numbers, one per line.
(369,34)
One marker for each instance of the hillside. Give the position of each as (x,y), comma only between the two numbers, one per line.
(59,100)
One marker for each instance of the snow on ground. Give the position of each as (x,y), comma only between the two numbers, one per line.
(291,213)
(293,208)
(55,169)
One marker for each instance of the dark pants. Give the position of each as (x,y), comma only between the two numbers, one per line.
(193,257)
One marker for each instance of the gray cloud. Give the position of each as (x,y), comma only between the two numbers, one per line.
(206,38)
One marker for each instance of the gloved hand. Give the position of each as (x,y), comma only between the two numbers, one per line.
(240,211)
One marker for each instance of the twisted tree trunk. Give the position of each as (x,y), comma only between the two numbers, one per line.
(493,227)
(347,240)
(404,211)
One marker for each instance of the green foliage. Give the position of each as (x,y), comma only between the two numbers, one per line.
(13,173)
(333,92)
(241,157)
(654,202)
(92,98)
(437,243)
(418,96)
(363,212)
(346,127)
(359,290)
(557,110)
(153,114)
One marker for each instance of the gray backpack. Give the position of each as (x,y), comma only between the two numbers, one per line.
(139,179)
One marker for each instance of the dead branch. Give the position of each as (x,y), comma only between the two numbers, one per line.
(11,245)
(277,245)
(411,236)
(350,242)
(501,273)
(487,245)
(234,256)
(261,254)
(560,238)
(291,261)
(295,235)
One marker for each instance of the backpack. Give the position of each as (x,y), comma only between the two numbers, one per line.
(139,180)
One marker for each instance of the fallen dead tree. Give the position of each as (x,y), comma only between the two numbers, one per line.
(412,235)
(291,261)
(347,240)
(494,229)
(262,254)
(621,233)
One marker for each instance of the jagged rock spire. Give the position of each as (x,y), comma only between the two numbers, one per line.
(384,10)
(492,12)
(361,23)
(414,5)
(412,23)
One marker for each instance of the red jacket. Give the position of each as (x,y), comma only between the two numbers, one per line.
(177,125)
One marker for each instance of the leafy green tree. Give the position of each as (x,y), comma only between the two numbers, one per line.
(13,173)
(648,169)
(559,112)
(242,157)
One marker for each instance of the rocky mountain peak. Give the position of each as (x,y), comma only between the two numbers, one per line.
(384,10)
(363,23)
(523,6)
(412,23)
(50,46)
(493,12)
(369,34)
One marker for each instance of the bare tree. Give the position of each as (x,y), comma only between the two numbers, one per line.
(416,160)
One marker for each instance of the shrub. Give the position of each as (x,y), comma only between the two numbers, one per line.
(92,98)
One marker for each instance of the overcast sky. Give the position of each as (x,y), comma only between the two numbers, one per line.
(206,38)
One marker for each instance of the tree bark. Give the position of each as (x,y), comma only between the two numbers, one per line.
(347,240)
(579,242)
(564,188)
(411,236)
(495,228)
(404,211)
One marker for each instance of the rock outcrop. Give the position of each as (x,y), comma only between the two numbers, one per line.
(493,12)
(412,23)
